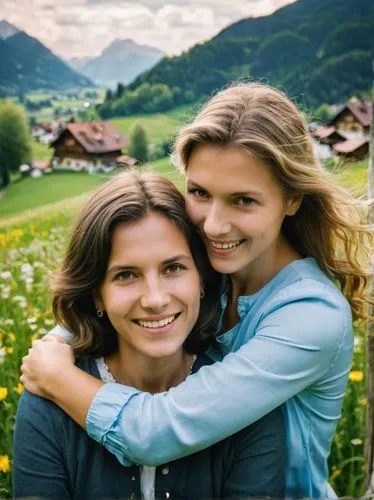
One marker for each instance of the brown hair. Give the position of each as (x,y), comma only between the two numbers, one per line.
(328,225)
(127,197)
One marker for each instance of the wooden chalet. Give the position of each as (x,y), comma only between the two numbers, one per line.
(88,145)
(354,117)
(353,149)
(328,136)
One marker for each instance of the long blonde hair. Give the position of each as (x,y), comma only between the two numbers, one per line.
(328,224)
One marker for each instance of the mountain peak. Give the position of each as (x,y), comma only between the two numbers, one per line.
(7,29)
(120,47)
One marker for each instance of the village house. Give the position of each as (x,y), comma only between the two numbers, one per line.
(354,119)
(347,133)
(352,149)
(88,146)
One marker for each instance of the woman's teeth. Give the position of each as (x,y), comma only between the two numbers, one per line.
(156,324)
(225,246)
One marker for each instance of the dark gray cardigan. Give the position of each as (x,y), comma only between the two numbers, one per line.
(54,458)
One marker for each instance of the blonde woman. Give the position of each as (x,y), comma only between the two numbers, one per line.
(287,241)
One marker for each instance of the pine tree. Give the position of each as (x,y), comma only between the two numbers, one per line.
(138,143)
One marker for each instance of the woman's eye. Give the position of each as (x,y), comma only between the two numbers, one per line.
(174,268)
(124,276)
(245,201)
(199,193)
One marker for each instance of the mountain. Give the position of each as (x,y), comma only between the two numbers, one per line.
(26,64)
(121,61)
(7,29)
(316,50)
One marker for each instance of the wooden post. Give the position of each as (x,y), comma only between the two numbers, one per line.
(369,435)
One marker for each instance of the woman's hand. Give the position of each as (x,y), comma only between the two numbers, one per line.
(46,362)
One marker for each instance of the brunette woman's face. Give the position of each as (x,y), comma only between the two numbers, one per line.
(238,207)
(151,291)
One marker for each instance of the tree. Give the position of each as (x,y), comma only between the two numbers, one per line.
(138,143)
(15,140)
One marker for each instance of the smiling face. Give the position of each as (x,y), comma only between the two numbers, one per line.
(238,207)
(151,291)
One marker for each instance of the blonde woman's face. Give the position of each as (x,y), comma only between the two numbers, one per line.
(238,207)
(151,291)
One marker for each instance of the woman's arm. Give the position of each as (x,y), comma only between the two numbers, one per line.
(258,467)
(294,347)
(38,469)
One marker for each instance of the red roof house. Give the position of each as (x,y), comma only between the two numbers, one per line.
(92,142)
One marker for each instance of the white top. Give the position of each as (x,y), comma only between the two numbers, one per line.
(147,472)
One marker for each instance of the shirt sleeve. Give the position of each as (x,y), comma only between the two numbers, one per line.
(58,331)
(295,345)
(259,460)
(38,468)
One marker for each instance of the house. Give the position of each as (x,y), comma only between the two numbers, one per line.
(352,149)
(328,136)
(88,146)
(354,118)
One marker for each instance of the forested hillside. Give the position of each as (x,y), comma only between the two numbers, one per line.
(318,50)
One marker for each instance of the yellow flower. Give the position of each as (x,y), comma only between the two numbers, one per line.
(363,401)
(19,388)
(356,376)
(9,350)
(4,463)
(3,393)
(11,336)
(335,474)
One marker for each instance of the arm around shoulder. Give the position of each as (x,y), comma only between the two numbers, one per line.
(294,345)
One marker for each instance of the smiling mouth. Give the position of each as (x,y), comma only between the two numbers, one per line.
(156,324)
(225,245)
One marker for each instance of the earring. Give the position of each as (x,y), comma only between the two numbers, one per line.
(202,293)
(99,313)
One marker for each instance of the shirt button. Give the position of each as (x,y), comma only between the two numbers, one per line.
(133,478)
(167,495)
(165,472)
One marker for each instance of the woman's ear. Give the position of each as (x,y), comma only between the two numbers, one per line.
(293,205)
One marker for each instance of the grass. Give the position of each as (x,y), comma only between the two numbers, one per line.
(29,193)
(355,177)
(40,151)
(158,126)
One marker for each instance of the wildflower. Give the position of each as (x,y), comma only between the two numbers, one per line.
(27,269)
(6,275)
(9,350)
(335,473)
(356,376)
(4,463)
(11,336)
(3,393)
(363,401)
(356,441)
(2,355)
(19,388)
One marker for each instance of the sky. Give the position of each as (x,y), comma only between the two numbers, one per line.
(78,28)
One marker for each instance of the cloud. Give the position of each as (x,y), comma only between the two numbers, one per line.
(85,27)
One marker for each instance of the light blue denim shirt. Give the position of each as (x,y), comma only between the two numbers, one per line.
(293,345)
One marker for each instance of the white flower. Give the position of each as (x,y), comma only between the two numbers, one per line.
(31,320)
(6,275)
(2,355)
(9,321)
(27,269)
(356,441)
